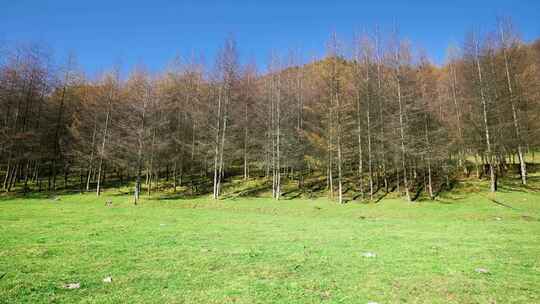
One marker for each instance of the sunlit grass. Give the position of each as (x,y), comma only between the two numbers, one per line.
(172,249)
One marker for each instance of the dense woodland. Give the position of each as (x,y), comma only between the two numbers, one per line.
(373,116)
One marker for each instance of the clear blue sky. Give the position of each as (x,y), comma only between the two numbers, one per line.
(102,33)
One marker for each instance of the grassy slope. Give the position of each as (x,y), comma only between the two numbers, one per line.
(260,251)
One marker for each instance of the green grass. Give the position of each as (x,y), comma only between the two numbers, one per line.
(256,250)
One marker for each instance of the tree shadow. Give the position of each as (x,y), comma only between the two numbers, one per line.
(418,192)
(247,192)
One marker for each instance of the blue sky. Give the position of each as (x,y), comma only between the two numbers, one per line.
(104,33)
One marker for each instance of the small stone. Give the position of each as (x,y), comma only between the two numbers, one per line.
(107,280)
(369,255)
(498,218)
(371,302)
(481,270)
(325,295)
(72,285)
(162,225)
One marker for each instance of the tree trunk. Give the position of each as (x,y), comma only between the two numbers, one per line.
(217,141)
(402,129)
(522,164)
(493,184)
(103,142)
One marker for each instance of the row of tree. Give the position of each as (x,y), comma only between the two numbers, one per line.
(367,118)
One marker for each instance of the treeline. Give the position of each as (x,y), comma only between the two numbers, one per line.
(370,116)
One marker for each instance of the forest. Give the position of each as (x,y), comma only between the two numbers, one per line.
(372,116)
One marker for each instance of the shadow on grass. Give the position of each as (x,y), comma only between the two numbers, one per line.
(256,191)
(20,194)
(27,195)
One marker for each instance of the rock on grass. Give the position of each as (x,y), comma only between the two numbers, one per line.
(481,270)
(369,255)
(72,286)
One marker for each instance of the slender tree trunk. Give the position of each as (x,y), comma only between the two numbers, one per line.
(151,173)
(245,143)
(493,179)
(102,152)
(272,135)
(330,158)
(402,129)
(522,164)
(8,172)
(246,121)
(90,162)
(278,139)
(457,111)
(216,155)
(360,147)
(381,116)
(140,147)
(221,168)
(428,159)
(56,136)
(338,135)
(368,127)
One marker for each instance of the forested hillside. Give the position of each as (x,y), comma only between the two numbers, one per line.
(374,115)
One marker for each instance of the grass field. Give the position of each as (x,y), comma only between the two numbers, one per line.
(256,250)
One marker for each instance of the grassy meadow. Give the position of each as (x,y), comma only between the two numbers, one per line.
(465,247)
